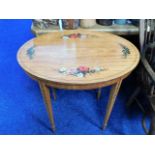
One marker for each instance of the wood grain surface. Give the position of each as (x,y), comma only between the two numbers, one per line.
(95,49)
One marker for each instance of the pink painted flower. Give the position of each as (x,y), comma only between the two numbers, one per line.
(83,69)
(73,36)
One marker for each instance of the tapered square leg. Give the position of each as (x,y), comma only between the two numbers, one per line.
(54,93)
(113,94)
(46,96)
(99,93)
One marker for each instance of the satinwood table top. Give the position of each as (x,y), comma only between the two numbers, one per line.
(76,57)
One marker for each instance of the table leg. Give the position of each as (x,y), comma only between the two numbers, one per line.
(54,93)
(99,93)
(46,95)
(113,94)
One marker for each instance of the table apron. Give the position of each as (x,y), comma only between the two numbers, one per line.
(78,86)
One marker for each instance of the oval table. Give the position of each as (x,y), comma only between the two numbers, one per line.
(79,60)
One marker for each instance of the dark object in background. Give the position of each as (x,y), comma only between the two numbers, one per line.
(135,22)
(146,73)
(105,22)
(70,23)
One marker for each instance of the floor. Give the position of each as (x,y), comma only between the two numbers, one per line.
(22,110)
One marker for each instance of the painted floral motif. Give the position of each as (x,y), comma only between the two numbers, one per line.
(80,71)
(125,50)
(78,35)
(30,52)
(74,36)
